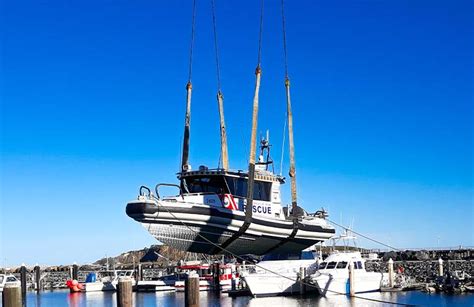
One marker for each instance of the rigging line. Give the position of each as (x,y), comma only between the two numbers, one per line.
(216,48)
(283,21)
(266,269)
(260,34)
(364,236)
(193,26)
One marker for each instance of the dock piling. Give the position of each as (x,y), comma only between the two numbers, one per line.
(139,272)
(11,296)
(75,270)
(23,283)
(124,292)
(191,288)
(351,279)
(440,269)
(302,277)
(391,278)
(37,270)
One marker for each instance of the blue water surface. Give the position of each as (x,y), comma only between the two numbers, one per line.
(64,298)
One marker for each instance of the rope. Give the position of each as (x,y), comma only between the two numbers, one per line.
(218,73)
(363,236)
(192,43)
(284,37)
(268,270)
(260,34)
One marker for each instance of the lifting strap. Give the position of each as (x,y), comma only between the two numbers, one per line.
(253,139)
(292,172)
(189,87)
(220,97)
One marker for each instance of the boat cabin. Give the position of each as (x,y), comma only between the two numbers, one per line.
(222,188)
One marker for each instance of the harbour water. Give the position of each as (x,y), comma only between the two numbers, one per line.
(108,299)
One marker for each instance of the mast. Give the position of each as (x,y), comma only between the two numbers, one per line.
(189,87)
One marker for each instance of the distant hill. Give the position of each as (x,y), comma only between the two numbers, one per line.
(161,254)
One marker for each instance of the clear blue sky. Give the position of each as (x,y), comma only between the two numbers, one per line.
(93,96)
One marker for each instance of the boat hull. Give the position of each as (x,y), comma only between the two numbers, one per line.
(197,228)
(328,285)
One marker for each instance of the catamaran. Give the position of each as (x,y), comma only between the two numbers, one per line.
(231,211)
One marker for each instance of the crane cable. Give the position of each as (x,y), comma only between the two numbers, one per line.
(193,28)
(189,88)
(216,48)
(283,21)
(224,155)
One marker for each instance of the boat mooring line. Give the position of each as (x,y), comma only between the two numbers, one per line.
(364,236)
(273,272)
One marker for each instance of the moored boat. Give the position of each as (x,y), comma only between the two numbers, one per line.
(8,279)
(279,274)
(332,276)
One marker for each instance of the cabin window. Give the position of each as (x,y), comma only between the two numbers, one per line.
(359,265)
(211,184)
(261,189)
(322,265)
(341,265)
(10,279)
(331,265)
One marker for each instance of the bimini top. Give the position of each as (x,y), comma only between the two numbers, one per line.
(260,175)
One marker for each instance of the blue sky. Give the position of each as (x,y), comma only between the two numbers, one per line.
(92,106)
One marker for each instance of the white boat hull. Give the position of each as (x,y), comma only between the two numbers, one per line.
(99,286)
(183,227)
(367,282)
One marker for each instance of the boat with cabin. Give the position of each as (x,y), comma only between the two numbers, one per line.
(279,274)
(332,276)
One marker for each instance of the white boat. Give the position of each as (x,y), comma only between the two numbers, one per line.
(210,206)
(155,285)
(332,276)
(8,279)
(263,282)
(107,280)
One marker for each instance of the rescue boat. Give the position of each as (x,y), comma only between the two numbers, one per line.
(209,209)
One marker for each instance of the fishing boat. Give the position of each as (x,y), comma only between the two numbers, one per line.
(279,274)
(219,210)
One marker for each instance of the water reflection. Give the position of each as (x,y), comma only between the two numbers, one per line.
(109,299)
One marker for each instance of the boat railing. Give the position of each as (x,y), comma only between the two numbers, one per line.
(157,188)
(145,191)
